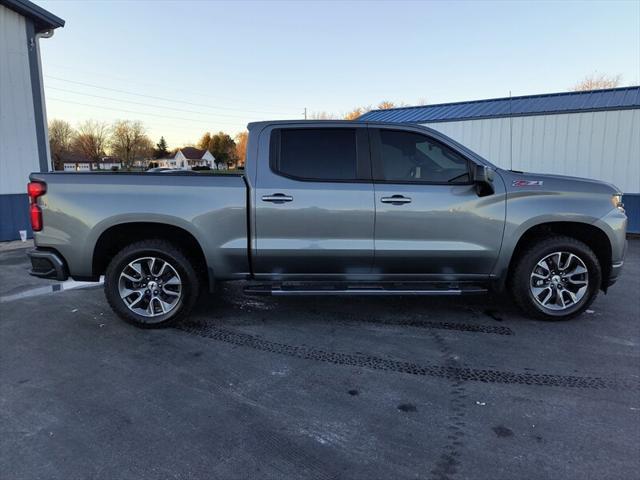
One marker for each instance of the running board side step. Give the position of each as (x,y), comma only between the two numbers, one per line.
(369,290)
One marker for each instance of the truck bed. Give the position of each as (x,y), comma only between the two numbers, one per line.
(79,208)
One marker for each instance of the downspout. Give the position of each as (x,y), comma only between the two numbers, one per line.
(44,34)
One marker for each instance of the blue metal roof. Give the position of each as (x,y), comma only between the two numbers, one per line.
(567,102)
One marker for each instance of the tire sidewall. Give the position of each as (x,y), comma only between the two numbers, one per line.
(176,260)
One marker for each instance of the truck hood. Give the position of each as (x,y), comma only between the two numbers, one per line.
(517,181)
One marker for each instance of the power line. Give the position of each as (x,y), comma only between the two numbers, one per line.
(147,104)
(164,86)
(130,111)
(159,98)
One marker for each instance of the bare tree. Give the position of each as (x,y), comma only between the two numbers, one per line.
(91,139)
(357,112)
(321,116)
(386,105)
(60,136)
(354,114)
(597,81)
(144,149)
(128,139)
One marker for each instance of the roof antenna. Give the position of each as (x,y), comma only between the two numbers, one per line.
(510,132)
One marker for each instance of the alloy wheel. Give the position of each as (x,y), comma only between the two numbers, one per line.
(559,281)
(150,286)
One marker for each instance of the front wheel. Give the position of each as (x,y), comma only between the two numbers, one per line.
(151,284)
(556,278)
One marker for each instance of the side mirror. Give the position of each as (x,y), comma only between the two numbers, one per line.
(483,178)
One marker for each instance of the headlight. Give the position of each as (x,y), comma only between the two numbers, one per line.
(616,200)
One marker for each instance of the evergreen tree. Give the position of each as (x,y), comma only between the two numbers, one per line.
(161,150)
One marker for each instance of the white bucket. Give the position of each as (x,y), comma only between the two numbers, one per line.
(23,235)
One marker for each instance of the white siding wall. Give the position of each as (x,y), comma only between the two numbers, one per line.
(209,158)
(18,140)
(166,162)
(599,145)
(181,161)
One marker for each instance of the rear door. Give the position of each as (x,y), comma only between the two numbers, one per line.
(429,219)
(314,204)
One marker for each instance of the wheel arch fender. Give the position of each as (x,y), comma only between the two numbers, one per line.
(113,234)
(582,228)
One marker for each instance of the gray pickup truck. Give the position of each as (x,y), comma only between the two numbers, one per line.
(332,208)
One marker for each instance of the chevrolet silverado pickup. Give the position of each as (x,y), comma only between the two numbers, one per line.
(332,208)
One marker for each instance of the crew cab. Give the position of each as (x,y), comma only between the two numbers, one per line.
(332,208)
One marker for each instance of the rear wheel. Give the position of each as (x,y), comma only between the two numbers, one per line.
(556,278)
(151,284)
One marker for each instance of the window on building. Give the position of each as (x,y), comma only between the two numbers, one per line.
(323,154)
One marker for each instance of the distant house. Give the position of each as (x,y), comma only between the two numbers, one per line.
(188,157)
(160,162)
(73,162)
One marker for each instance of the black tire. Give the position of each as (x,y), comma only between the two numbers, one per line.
(175,258)
(520,279)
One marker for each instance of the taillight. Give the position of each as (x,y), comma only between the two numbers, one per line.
(35,190)
(36,217)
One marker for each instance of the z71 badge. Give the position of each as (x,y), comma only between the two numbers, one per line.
(527,183)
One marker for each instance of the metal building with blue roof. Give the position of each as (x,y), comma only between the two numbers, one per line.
(593,134)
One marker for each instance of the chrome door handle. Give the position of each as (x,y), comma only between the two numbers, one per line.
(396,200)
(277,198)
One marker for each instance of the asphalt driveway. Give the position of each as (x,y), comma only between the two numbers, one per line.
(271,388)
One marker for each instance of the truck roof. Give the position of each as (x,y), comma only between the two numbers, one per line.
(264,123)
(257,127)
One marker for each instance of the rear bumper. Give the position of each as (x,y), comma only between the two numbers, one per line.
(47,264)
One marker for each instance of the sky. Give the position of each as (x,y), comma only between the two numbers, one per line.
(187,67)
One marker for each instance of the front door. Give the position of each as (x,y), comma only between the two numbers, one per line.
(314,202)
(430,221)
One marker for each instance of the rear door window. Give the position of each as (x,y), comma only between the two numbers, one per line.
(322,154)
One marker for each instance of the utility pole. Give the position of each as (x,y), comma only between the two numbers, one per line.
(305,113)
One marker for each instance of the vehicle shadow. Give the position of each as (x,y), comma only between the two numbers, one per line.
(229,305)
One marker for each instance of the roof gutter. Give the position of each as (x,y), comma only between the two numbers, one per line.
(42,19)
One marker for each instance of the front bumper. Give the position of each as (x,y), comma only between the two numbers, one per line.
(616,269)
(614,224)
(47,264)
